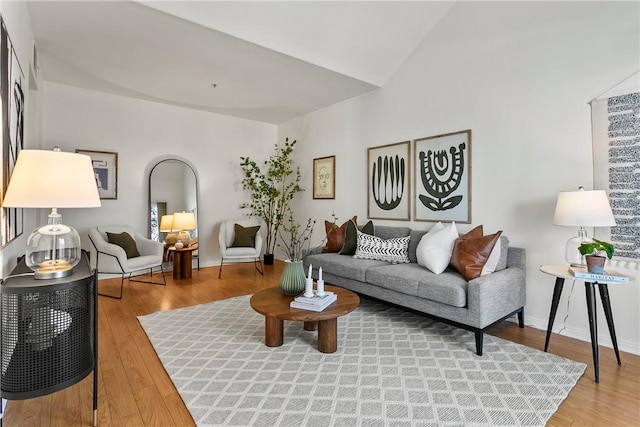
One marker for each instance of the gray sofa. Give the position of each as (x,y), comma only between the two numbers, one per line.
(475,305)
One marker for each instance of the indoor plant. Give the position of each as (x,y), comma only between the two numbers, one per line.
(594,253)
(293,237)
(271,190)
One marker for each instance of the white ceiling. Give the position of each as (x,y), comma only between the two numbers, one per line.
(270,61)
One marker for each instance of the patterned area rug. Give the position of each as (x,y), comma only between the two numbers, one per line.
(392,368)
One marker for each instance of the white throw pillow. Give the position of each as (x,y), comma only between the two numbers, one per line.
(492,262)
(435,248)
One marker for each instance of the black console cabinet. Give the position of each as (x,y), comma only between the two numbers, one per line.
(49,332)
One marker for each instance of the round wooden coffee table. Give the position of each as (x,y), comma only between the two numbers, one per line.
(274,305)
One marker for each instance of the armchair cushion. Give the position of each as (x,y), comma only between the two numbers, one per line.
(244,237)
(126,242)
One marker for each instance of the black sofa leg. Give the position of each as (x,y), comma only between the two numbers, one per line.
(479,343)
(521,318)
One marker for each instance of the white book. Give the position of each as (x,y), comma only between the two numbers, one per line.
(315,300)
(607,276)
(326,302)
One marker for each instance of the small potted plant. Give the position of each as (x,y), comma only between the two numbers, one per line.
(594,253)
(294,237)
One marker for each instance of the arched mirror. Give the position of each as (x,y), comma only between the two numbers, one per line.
(173,189)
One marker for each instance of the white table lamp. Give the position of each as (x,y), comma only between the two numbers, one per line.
(184,221)
(582,209)
(166,226)
(44,179)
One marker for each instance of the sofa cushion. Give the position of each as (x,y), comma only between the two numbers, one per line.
(448,288)
(387,232)
(471,253)
(335,235)
(351,237)
(504,251)
(414,281)
(435,247)
(343,266)
(414,240)
(395,250)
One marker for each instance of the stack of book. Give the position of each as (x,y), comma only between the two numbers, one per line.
(607,276)
(314,303)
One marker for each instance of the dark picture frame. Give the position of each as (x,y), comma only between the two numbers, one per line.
(389,181)
(443,178)
(324,177)
(12,88)
(105,167)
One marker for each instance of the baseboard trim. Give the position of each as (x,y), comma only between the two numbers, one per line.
(583,335)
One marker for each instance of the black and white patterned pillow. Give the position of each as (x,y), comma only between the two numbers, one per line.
(394,250)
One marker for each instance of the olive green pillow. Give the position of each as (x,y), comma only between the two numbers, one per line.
(125,241)
(351,237)
(244,237)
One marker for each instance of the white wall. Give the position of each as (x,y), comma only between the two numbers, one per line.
(520,76)
(142,133)
(16,18)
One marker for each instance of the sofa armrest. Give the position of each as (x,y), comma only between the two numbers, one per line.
(495,295)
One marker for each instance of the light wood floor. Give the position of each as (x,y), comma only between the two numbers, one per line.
(134,389)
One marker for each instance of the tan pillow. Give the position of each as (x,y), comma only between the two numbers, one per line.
(335,236)
(471,252)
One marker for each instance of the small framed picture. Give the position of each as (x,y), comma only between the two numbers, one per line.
(105,168)
(324,178)
(388,181)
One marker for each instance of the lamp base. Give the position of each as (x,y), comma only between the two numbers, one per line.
(184,238)
(571,252)
(53,272)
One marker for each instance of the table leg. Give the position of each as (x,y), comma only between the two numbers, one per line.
(606,305)
(328,335)
(273,332)
(557,291)
(593,326)
(310,326)
(182,265)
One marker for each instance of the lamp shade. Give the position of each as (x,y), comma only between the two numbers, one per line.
(52,179)
(166,224)
(184,221)
(583,209)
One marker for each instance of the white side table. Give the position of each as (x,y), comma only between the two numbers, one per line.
(561,272)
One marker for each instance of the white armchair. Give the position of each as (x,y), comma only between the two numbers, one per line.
(226,237)
(112,259)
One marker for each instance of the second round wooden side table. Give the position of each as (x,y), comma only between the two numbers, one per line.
(182,260)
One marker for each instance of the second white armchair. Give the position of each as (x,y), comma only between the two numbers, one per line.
(240,241)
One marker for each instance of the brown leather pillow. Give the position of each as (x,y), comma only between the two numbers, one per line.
(471,252)
(335,235)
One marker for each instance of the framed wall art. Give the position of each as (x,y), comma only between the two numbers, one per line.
(616,144)
(443,177)
(12,88)
(324,178)
(388,178)
(105,167)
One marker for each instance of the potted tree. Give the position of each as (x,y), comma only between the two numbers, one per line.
(594,253)
(271,190)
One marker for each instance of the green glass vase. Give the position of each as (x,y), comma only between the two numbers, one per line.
(292,280)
